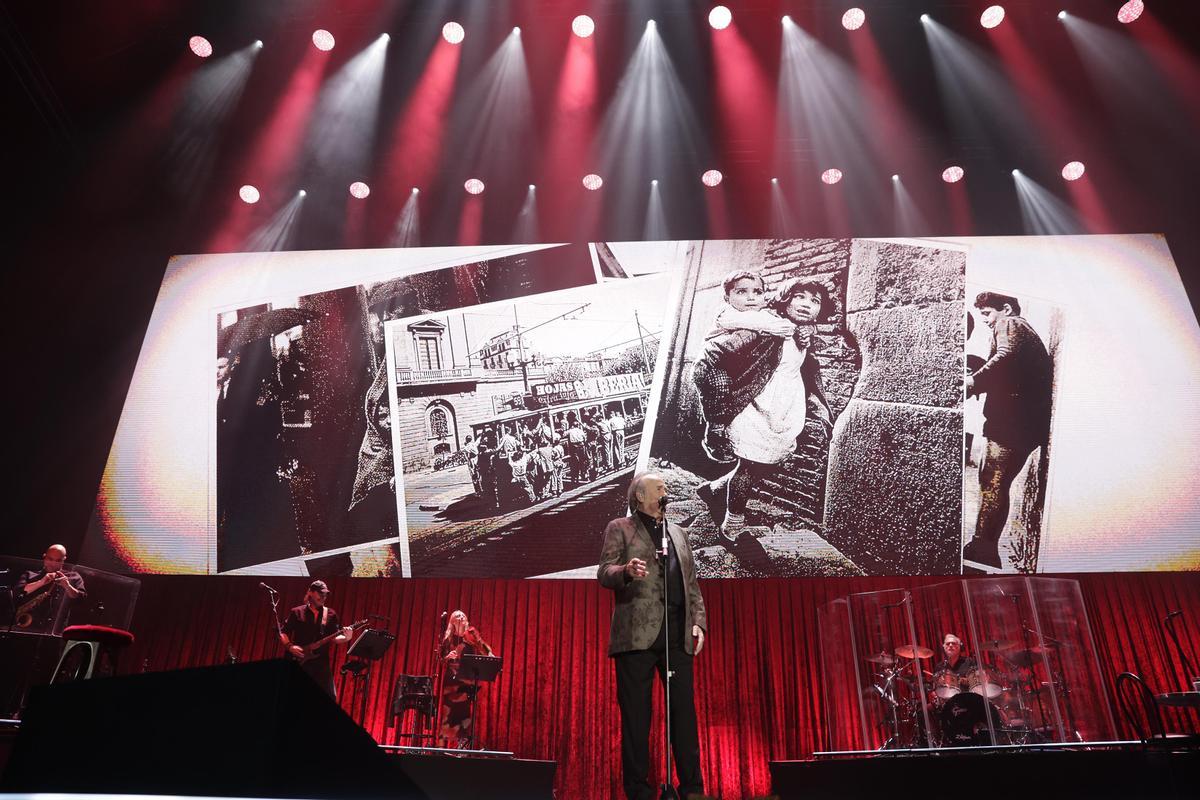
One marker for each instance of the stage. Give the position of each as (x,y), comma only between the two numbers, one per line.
(760,699)
(1120,771)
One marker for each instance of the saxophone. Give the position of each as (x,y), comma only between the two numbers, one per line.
(24,616)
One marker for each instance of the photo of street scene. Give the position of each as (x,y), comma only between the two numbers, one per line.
(517,427)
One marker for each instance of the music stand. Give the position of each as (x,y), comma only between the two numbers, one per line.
(480,669)
(368,648)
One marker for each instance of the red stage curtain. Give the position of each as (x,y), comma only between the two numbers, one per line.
(758,685)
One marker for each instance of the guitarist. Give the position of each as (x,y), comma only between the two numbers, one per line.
(309,623)
(39,593)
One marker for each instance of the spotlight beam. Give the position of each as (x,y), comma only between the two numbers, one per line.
(342,136)
(649,129)
(1042,213)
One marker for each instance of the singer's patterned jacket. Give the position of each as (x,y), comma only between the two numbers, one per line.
(638,614)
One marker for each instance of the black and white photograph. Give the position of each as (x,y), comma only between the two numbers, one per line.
(1013,344)
(519,426)
(816,403)
(304,456)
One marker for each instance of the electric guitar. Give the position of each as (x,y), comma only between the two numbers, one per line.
(312,650)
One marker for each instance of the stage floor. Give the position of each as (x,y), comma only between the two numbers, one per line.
(1117,772)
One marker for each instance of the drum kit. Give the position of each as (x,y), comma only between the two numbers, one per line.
(1001,702)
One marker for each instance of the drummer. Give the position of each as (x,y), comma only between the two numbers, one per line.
(961,665)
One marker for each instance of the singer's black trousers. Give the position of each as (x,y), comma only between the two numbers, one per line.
(635,686)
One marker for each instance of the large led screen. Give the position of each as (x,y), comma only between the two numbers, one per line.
(816,407)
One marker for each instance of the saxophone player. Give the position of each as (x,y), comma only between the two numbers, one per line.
(39,594)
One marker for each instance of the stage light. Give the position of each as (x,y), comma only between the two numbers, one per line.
(360,190)
(774,180)
(1073,171)
(1130,11)
(853,19)
(720,17)
(895,177)
(583,26)
(453,33)
(831,176)
(474,186)
(258,43)
(322,39)
(654,182)
(1062,15)
(249,194)
(516,31)
(303,193)
(992,16)
(651,25)
(1016,172)
(924,18)
(532,187)
(952,174)
(592,182)
(200,46)
(787,20)
(712,177)
(387,37)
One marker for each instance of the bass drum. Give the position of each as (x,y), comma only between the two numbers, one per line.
(964,721)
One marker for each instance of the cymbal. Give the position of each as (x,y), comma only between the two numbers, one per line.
(999,644)
(913,651)
(883,658)
(1044,647)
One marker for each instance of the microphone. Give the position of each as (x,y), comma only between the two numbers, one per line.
(268,588)
(662,503)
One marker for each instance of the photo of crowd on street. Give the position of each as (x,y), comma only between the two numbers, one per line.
(510,412)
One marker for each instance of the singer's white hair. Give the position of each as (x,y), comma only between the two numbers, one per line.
(635,486)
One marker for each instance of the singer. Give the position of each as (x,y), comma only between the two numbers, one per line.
(633,566)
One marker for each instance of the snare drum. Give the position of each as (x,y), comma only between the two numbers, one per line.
(946,684)
(985,683)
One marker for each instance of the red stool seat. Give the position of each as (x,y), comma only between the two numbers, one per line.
(102,634)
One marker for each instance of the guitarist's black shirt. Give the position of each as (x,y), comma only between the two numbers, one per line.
(304,626)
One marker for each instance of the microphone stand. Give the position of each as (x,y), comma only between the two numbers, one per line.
(437,681)
(667,790)
(273,597)
(1189,671)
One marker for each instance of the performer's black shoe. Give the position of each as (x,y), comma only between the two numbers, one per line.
(715,502)
(982,551)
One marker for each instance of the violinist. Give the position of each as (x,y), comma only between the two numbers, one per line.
(461,638)
(39,594)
